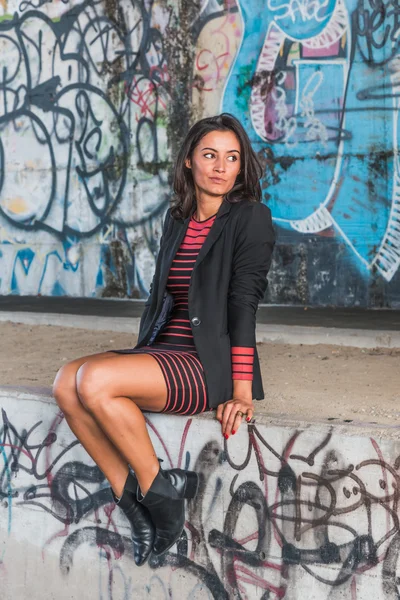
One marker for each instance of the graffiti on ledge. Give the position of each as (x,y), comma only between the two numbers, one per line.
(274,515)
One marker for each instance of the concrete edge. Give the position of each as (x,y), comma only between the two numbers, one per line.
(116,324)
(297,334)
(278,334)
(336,425)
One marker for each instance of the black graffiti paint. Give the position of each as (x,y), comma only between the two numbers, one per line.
(307,506)
(103,72)
(376,24)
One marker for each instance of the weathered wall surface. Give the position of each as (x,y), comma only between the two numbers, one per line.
(96,96)
(281,513)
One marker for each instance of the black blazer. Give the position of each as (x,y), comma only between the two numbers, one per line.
(227,283)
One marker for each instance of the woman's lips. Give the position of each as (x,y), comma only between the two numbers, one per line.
(217,179)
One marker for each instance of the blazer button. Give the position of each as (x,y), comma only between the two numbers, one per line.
(196,321)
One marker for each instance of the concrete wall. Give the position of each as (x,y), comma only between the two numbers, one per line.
(95,98)
(284,511)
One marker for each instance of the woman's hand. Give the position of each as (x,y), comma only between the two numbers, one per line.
(228,414)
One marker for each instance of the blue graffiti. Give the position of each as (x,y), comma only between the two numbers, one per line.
(318,83)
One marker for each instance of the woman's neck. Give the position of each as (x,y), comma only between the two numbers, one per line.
(206,209)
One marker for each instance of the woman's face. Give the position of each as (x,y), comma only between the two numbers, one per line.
(215,163)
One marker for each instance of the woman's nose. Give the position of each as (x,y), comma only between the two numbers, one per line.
(219,166)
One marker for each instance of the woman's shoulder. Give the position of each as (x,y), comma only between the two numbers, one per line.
(252,219)
(249,208)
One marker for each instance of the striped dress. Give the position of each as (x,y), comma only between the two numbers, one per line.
(174,347)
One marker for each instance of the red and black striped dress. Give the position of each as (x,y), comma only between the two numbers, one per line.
(174,347)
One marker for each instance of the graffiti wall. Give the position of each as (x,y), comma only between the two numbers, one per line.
(281,513)
(322,111)
(96,96)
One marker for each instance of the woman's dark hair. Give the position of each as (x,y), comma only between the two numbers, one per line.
(247,184)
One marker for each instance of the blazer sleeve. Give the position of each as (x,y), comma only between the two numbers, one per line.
(255,239)
(164,230)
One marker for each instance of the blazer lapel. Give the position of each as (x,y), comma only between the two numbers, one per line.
(215,231)
(177,234)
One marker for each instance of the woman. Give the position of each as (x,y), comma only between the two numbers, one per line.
(196,348)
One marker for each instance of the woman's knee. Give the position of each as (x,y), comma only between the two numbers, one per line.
(64,389)
(90,385)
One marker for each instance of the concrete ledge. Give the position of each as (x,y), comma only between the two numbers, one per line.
(285,334)
(285,510)
(347,427)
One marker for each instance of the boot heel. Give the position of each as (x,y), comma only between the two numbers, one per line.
(192,485)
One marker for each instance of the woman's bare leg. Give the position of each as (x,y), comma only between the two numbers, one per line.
(94,435)
(115,391)
(93,439)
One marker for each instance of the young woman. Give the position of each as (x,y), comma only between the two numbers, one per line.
(196,348)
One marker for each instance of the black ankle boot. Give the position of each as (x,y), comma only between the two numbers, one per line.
(143,530)
(165,501)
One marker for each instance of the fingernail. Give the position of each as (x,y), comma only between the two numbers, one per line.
(248,419)
(233,432)
(226,436)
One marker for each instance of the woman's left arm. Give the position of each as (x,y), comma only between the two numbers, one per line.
(251,262)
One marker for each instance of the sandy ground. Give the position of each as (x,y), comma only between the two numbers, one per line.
(309,381)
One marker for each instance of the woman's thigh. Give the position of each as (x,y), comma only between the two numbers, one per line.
(135,376)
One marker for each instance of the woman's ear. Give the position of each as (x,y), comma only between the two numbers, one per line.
(188,163)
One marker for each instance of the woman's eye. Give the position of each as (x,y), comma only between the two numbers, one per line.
(211,154)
